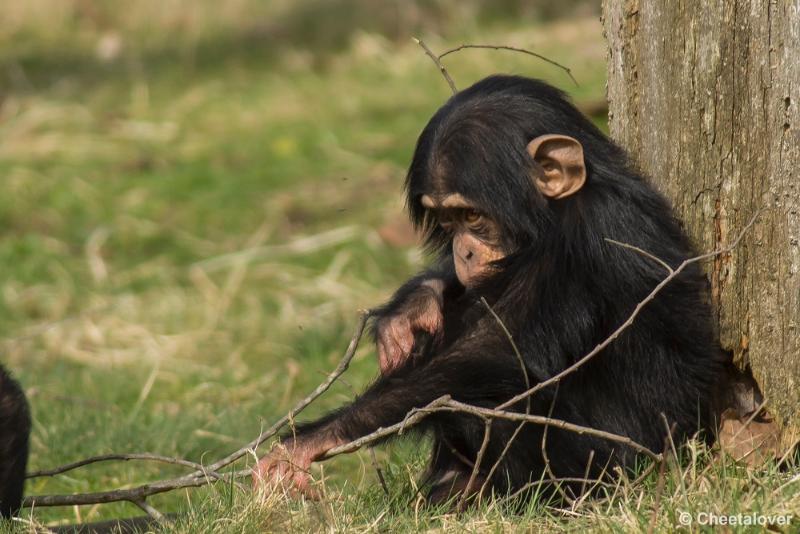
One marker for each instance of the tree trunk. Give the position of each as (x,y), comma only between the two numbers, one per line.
(706,97)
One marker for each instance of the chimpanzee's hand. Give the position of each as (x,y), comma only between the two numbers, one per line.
(421,311)
(286,466)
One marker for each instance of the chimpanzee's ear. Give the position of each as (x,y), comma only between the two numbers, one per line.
(561,158)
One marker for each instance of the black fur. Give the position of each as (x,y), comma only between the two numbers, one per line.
(15,426)
(563,290)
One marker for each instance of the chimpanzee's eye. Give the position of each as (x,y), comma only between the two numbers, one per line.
(472,216)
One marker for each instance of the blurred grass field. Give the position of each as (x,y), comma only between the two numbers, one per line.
(196,199)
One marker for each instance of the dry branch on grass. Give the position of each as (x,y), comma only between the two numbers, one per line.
(137,495)
(204,475)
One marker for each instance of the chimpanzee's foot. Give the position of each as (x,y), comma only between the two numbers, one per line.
(448,487)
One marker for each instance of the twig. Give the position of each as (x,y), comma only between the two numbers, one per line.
(487,431)
(445,403)
(150,510)
(411,418)
(379,472)
(524,370)
(583,493)
(642,252)
(300,406)
(512,49)
(199,477)
(557,423)
(661,478)
(747,423)
(789,451)
(129,494)
(752,417)
(669,439)
(146,456)
(631,318)
(438,63)
(547,469)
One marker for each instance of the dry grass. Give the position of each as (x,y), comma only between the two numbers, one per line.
(190,220)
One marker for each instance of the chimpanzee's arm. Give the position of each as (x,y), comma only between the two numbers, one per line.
(415,308)
(469,373)
(443,273)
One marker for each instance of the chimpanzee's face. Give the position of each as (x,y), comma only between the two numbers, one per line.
(560,172)
(476,237)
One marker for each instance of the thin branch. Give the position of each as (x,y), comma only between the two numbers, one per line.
(411,419)
(642,252)
(445,403)
(151,511)
(547,469)
(524,369)
(522,366)
(662,468)
(438,63)
(631,318)
(199,477)
(300,406)
(512,49)
(752,417)
(745,425)
(583,492)
(487,431)
(129,494)
(138,494)
(379,472)
(145,456)
(557,423)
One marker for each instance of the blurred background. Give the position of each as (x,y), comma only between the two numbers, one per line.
(196,197)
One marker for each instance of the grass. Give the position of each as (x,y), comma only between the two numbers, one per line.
(129,187)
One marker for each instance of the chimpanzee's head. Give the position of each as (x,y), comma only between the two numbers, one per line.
(490,166)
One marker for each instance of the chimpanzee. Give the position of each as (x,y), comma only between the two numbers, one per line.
(515,192)
(15,426)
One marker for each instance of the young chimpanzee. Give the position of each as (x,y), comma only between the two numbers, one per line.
(15,426)
(516,192)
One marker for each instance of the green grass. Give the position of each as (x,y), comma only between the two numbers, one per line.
(123,183)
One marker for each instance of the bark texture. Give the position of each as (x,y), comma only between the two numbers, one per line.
(705,95)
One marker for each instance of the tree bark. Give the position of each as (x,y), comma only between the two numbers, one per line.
(705,95)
